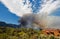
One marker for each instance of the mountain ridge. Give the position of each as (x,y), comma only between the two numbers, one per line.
(4,24)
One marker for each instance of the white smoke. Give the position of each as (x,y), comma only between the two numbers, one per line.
(53,22)
(47,7)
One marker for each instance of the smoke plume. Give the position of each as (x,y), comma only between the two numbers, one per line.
(33,21)
(24,11)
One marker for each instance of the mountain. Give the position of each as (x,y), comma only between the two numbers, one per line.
(3,24)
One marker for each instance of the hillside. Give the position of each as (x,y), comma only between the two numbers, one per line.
(28,33)
(12,31)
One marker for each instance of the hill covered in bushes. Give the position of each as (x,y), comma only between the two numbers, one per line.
(26,33)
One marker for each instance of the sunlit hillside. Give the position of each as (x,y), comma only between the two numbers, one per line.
(28,33)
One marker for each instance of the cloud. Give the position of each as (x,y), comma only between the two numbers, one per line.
(0,0)
(48,6)
(17,7)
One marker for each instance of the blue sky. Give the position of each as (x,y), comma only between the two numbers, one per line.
(35,5)
(9,17)
(56,12)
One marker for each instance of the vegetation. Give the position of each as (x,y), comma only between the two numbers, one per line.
(23,33)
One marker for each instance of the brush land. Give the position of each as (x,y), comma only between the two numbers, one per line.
(28,33)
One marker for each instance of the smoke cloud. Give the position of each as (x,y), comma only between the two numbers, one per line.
(33,21)
(25,11)
(53,22)
(36,21)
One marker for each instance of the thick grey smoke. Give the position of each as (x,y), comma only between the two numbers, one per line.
(36,21)
(33,21)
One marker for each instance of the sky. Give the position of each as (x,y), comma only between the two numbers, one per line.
(7,16)
(11,11)
(56,12)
